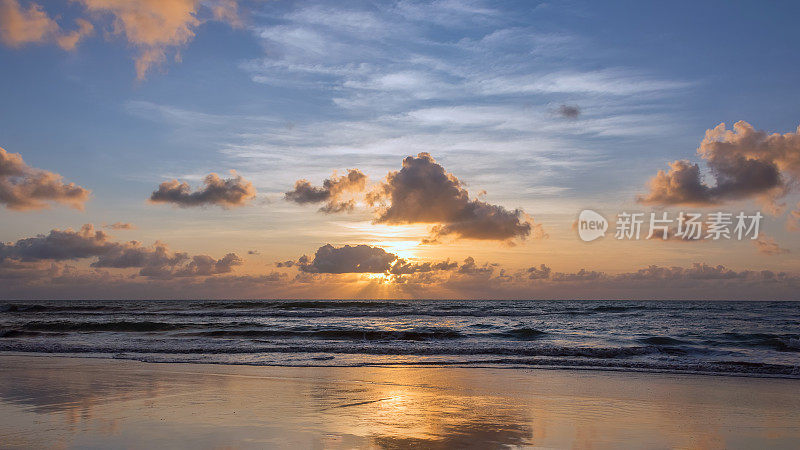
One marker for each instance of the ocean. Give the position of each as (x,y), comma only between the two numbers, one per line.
(730,338)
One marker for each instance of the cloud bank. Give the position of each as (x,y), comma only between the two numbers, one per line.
(26,188)
(40,266)
(156,261)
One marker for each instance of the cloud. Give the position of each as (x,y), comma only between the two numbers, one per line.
(403,267)
(59,245)
(20,26)
(744,162)
(156,28)
(25,188)
(568,111)
(156,261)
(332,193)
(120,226)
(470,267)
(69,40)
(204,265)
(349,259)
(581,275)
(364,259)
(538,273)
(423,192)
(227,193)
(697,272)
(793,223)
(768,246)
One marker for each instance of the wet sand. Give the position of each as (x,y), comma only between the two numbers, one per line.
(98,403)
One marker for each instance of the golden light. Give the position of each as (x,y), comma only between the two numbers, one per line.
(402,240)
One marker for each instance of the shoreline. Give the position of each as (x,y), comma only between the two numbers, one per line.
(100,402)
(456,365)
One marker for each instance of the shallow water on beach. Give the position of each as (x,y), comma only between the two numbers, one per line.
(744,338)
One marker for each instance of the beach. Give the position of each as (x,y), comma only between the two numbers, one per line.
(66,402)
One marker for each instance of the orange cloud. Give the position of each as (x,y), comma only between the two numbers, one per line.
(155,28)
(24,188)
(20,26)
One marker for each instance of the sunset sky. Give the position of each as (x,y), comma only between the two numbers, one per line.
(284,149)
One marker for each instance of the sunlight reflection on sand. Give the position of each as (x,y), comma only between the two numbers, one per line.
(66,402)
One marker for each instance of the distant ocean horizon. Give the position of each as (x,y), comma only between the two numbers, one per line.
(746,338)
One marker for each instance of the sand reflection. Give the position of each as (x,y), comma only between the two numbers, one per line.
(62,402)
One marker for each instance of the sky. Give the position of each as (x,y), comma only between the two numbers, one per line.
(395,149)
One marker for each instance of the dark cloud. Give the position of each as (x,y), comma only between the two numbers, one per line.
(538,273)
(25,188)
(227,193)
(581,275)
(334,192)
(156,261)
(470,267)
(253,252)
(403,267)
(744,162)
(363,259)
(349,259)
(423,192)
(569,111)
(236,281)
(204,265)
(60,245)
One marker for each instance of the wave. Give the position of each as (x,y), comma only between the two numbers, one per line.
(523,333)
(17,333)
(102,326)
(662,340)
(613,309)
(602,359)
(351,348)
(310,304)
(34,308)
(779,342)
(342,334)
